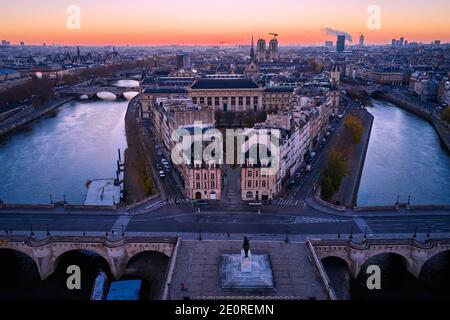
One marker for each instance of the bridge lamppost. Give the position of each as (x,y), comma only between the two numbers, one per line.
(31,231)
(46,228)
(51,199)
(350,238)
(65,201)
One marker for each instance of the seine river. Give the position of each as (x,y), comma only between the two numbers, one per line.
(405,157)
(57,154)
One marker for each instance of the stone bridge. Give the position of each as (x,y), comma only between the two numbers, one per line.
(93,90)
(414,253)
(117,254)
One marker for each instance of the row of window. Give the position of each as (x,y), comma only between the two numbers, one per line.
(255,184)
(240,101)
(205,176)
(198,185)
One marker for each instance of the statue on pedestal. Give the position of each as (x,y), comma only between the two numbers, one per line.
(246,255)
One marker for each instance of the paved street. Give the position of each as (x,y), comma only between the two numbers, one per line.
(185,219)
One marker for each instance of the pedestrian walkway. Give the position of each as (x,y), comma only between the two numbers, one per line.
(289,203)
(314,220)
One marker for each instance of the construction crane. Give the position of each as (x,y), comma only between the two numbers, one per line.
(273,34)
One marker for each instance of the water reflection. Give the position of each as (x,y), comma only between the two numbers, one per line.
(57,155)
(405,157)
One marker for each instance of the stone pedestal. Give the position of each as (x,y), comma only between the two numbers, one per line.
(238,272)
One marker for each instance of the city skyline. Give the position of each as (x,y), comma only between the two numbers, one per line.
(152,23)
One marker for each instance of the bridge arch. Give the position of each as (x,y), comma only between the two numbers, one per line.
(372,259)
(151,266)
(18,270)
(434,274)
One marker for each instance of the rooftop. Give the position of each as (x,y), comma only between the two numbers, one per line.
(236,83)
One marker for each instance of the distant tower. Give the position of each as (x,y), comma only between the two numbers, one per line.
(261,46)
(361,40)
(252,51)
(335,75)
(78,52)
(180,61)
(273,46)
(261,50)
(340,44)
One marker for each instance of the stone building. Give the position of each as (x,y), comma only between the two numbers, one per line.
(227,94)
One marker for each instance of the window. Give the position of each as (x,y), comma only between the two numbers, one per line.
(233,101)
(250,174)
(197,176)
(213,185)
(247,101)
(209,101)
(263,184)
(249,184)
(216,101)
(197,185)
(241,101)
(194,100)
(213,176)
(255,100)
(202,100)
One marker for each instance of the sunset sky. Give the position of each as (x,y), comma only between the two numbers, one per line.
(151,22)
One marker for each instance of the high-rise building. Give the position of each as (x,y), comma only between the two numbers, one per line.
(361,40)
(402,41)
(340,44)
(180,61)
(394,41)
(187,61)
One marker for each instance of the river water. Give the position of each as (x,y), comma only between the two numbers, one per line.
(405,157)
(57,154)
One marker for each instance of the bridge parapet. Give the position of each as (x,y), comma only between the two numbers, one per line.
(47,252)
(414,253)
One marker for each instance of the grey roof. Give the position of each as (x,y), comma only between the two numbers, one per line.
(224,84)
(168,90)
(279,89)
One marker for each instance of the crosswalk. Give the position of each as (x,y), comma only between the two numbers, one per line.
(288,203)
(314,220)
(121,224)
(178,201)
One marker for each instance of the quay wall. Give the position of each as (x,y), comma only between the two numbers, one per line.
(34,115)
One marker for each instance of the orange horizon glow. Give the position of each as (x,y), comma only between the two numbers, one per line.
(208,22)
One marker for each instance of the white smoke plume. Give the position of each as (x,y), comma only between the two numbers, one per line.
(332,32)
